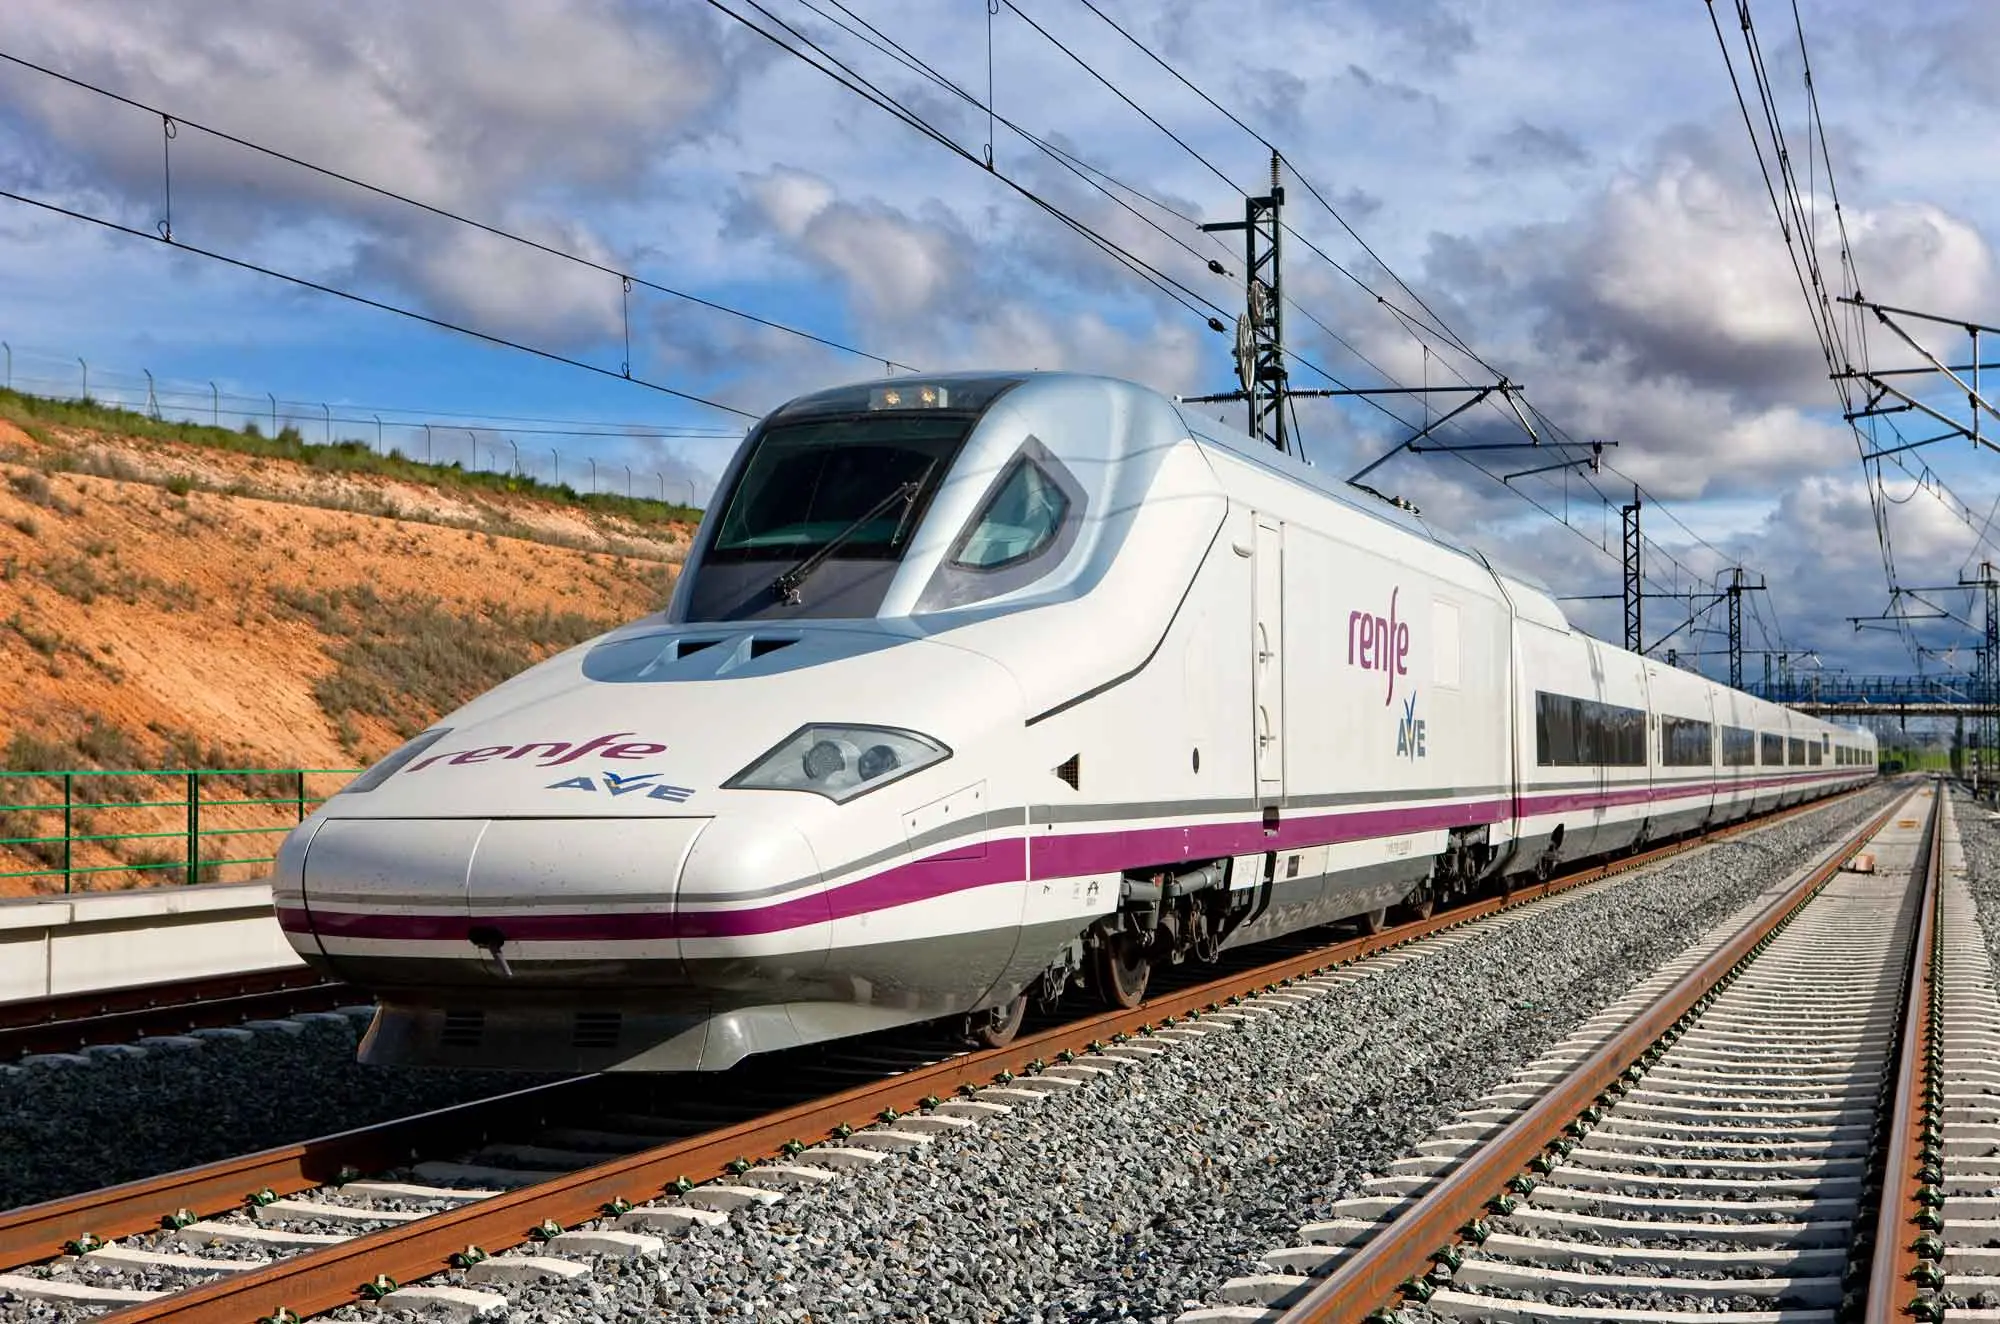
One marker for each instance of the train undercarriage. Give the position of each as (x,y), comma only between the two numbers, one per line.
(1167,917)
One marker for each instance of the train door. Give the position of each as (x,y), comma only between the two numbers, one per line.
(1268,660)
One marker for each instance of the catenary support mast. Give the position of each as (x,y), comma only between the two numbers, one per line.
(1260,332)
(1635,597)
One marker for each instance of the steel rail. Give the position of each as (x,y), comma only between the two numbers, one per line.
(321,1280)
(40,1231)
(68,1021)
(1912,1156)
(1406,1249)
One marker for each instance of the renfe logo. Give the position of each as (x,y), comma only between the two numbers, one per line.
(1378,643)
(551,753)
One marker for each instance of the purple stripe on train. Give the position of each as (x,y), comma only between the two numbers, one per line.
(1005,860)
(918,880)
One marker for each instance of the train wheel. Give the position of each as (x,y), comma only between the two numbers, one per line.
(1373,921)
(1121,972)
(997,1026)
(1423,909)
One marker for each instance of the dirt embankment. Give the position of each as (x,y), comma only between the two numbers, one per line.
(169,605)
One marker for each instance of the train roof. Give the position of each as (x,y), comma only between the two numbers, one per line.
(1360,500)
(974,392)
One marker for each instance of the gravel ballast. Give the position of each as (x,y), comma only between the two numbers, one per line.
(1981,839)
(1137,1195)
(126,1116)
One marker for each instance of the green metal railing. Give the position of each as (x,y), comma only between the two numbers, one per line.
(249,803)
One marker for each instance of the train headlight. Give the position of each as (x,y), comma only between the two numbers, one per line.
(840,762)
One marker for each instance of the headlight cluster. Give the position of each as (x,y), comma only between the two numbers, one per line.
(839,762)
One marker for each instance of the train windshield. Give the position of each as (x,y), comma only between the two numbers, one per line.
(855,488)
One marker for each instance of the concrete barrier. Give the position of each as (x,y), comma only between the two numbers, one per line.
(85,942)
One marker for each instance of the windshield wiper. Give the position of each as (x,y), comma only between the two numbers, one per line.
(787,585)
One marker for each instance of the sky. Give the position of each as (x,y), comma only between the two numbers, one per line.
(1569,189)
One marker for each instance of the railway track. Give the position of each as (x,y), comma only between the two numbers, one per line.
(1938,1237)
(1712,1146)
(307,1228)
(69,1022)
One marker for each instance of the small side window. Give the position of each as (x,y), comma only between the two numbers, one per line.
(1020,520)
(1026,522)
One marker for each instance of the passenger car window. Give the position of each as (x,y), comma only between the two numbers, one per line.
(1020,519)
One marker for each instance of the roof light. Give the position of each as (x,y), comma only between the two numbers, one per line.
(916,396)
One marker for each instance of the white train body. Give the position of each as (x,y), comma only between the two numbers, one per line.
(1144,686)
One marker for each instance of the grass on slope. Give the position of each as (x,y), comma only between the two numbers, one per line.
(405,658)
(35,416)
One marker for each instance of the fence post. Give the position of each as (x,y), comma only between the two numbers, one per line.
(302,795)
(69,800)
(193,826)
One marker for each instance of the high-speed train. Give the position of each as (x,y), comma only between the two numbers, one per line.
(978,689)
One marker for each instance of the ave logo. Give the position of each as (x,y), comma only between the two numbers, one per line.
(1410,732)
(630,783)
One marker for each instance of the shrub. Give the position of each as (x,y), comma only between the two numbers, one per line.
(403,659)
(35,488)
(152,866)
(76,580)
(28,752)
(39,834)
(104,745)
(31,486)
(34,636)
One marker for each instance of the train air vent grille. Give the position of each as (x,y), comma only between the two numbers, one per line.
(688,646)
(596,1029)
(759,647)
(1071,771)
(463,1029)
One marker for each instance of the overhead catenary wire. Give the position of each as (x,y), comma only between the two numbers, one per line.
(444,213)
(1094,175)
(903,55)
(1431,324)
(1119,92)
(1440,329)
(1842,340)
(321,287)
(1797,220)
(1304,182)
(841,73)
(444,324)
(1424,327)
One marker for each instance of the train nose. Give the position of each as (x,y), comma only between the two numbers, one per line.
(565,944)
(518,903)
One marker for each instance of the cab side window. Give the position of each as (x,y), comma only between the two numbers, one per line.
(1026,523)
(1021,519)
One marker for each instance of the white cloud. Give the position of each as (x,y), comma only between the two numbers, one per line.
(501,287)
(461,104)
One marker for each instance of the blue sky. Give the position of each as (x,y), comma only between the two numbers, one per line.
(1570,186)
